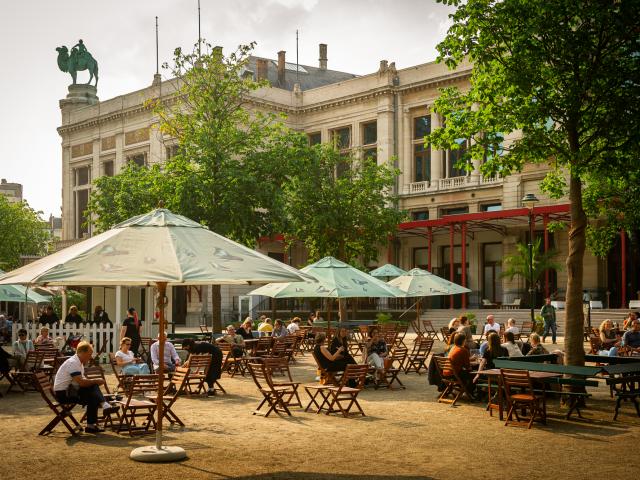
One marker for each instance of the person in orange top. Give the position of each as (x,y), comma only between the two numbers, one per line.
(461,361)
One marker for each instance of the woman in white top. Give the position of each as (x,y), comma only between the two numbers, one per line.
(511,346)
(127,361)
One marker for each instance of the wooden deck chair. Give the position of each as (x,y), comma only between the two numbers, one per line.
(199,365)
(117,372)
(429,330)
(272,395)
(63,412)
(301,337)
(396,359)
(343,397)
(417,359)
(519,393)
(454,387)
(137,411)
(281,366)
(145,350)
(176,386)
(526,330)
(232,364)
(263,346)
(24,378)
(595,343)
(95,360)
(444,331)
(417,328)
(327,377)
(403,328)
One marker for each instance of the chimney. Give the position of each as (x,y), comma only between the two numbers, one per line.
(281,60)
(262,69)
(323,56)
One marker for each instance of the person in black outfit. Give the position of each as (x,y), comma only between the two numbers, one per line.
(245,329)
(100,316)
(74,317)
(49,317)
(341,340)
(131,328)
(215,368)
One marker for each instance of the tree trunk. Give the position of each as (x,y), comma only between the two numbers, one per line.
(574,322)
(216,308)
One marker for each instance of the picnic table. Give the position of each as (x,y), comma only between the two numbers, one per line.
(610,360)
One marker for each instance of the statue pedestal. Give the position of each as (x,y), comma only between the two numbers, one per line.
(80,94)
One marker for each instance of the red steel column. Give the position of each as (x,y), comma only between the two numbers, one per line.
(545,221)
(623,269)
(451,269)
(430,243)
(464,262)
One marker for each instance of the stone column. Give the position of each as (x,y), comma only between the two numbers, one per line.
(67,195)
(119,160)
(436,155)
(406,147)
(385,128)
(156,147)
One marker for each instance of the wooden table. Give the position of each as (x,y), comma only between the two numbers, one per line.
(494,373)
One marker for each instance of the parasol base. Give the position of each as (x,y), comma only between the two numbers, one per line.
(151,454)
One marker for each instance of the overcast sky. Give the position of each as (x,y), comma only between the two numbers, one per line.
(121,36)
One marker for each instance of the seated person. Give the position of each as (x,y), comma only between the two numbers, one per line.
(631,339)
(461,362)
(608,337)
(128,362)
(49,317)
(215,367)
(294,326)
(628,320)
(279,330)
(449,346)
(491,325)
(20,348)
(494,350)
(71,386)
(43,338)
(265,328)
(511,327)
(465,328)
(376,350)
(74,317)
(331,362)
(171,359)
(236,341)
(536,346)
(340,339)
(454,323)
(311,319)
(245,330)
(511,346)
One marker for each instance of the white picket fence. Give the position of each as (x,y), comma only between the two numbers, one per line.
(95,333)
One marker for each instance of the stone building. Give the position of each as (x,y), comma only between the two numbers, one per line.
(12,191)
(384,114)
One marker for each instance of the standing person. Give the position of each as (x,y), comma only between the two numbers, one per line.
(49,317)
(131,328)
(215,368)
(73,316)
(100,316)
(548,313)
(71,386)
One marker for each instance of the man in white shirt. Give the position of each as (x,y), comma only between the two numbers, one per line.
(171,357)
(71,386)
(294,326)
(491,325)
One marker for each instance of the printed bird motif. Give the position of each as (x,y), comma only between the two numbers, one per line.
(110,267)
(224,256)
(110,251)
(217,266)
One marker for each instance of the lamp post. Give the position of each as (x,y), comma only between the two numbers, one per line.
(529,201)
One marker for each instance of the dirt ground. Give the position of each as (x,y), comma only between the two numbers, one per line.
(405,435)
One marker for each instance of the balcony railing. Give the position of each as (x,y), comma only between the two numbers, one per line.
(452,183)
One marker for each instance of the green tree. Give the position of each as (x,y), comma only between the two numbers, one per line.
(23,233)
(562,78)
(341,206)
(517,264)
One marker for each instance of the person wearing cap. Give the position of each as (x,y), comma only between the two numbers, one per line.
(131,328)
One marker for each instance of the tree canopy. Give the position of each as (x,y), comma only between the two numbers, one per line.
(561,77)
(23,233)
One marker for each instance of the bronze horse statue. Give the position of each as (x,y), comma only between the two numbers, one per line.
(76,62)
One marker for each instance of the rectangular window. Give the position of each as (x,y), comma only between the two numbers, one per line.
(82,176)
(421,127)
(420,215)
(455,156)
(421,257)
(172,151)
(370,155)
(107,168)
(315,138)
(342,138)
(369,133)
(139,159)
(454,211)
(491,207)
(422,161)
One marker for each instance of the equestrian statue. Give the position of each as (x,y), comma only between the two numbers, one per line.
(79,59)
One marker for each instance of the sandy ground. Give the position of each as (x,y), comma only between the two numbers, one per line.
(406,434)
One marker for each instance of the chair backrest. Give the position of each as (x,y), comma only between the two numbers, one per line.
(263,346)
(515,379)
(179,378)
(204,329)
(43,385)
(517,301)
(596,344)
(142,384)
(445,333)
(424,346)
(527,326)
(260,375)
(443,364)
(354,374)
(96,372)
(33,361)
(398,356)
(278,364)
(486,302)
(114,366)
(427,325)
(199,363)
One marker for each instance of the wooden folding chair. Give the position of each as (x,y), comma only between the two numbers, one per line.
(397,357)
(63,412)
(263,346)
(281,366)
(199,365)
(444,331)
(231,363)
(519,393)
(343,397)
(120,377)
(429,330)
(272,395)
(526,330)
(417,359)
(454,387)
(176,386)
(135,409)
(95,360)
(24,378)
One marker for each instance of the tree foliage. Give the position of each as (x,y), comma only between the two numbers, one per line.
(340,205)
(517,264)
(562,77)
(23,233)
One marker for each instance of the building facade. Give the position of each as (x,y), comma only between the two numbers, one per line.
(384,114)
(12,191)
